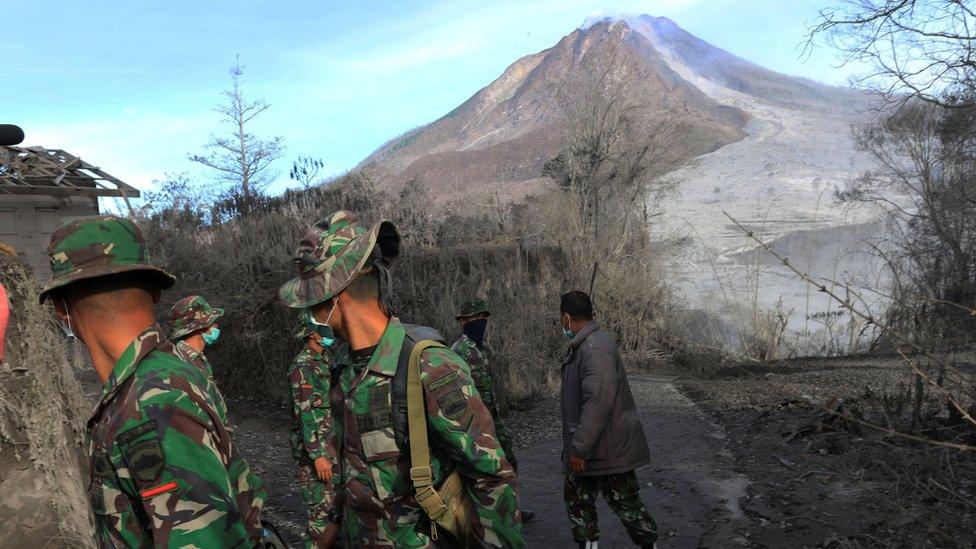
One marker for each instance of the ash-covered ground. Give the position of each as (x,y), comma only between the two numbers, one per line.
(780,183)
(739,460)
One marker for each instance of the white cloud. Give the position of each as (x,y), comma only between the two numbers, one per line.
(137,147)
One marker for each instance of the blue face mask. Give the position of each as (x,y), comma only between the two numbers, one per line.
(568,334)
(325,331)
(212,336)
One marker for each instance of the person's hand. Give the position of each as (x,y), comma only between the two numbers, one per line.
(323,468)
(577,464)
(329,536)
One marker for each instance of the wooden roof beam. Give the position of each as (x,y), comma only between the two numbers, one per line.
(68,191)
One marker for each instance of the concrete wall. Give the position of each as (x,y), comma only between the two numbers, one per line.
(26,223)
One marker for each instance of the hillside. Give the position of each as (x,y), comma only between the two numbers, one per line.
(768,148)
(501,137)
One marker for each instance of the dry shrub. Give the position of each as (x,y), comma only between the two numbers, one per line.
(519,257)
(240,264)
(521,286)
(928,495)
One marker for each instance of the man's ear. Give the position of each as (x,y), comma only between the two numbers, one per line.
(59,307)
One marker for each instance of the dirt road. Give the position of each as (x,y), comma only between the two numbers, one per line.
(690,486)
(746,480)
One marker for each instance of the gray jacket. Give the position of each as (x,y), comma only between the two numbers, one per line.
(600,422)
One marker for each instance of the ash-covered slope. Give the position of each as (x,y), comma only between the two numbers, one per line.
(768,148)
(732,72)
(501,137)
(779,181)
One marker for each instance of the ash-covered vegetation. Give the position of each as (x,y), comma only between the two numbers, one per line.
(907,441)
(592,230)
(42,416)
(238,251)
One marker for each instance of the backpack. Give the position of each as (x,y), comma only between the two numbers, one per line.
(447,506)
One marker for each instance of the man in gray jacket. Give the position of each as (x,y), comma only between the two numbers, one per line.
(603,441)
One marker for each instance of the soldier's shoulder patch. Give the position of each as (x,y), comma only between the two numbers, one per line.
(135,432)
(446,379)
(453,404)
(145,459)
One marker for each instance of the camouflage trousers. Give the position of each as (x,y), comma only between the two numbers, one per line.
(317,496)
(622,494)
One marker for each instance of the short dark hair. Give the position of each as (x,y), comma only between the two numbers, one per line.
(365,286)
(577,305)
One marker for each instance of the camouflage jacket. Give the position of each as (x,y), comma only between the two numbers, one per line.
(163,470)
(477,360)
(311,428)
(376,504)
(188,354)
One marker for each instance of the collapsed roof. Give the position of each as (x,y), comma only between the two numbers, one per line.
(54,172)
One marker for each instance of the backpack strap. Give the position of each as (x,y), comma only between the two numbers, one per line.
(414,333)
(398,396)
(420,472)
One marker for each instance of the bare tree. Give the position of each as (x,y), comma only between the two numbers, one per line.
(614,148)
(239,157)
(927,159)
(305,170)
(923,49)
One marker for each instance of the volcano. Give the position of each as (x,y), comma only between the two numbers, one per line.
(500,138)
(768,148)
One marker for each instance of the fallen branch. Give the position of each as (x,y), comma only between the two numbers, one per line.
(845,304)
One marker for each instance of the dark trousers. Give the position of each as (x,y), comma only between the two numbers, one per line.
(622,494)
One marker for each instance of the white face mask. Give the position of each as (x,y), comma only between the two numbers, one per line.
(65,325)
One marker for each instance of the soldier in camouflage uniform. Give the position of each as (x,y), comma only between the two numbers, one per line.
(345,281)
(473,349)
(164,471)
(311,433)
(195,327)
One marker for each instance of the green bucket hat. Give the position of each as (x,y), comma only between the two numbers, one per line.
(333,252)
(472,307)
(96,246)
(305,326)
(191,314)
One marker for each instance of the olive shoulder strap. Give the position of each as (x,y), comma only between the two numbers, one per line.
(420,471)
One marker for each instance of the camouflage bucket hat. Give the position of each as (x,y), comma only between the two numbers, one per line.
(472,307)
(191,314)
(96,246)
(333,252)
(305,326)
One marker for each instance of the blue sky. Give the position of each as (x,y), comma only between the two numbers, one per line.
(130,85)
